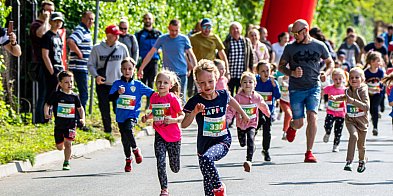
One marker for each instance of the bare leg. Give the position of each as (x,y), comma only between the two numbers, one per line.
(67,150)
(311,129)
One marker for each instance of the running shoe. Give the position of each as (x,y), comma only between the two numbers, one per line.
(138,155)
(220,191)
(291,133)
(128,166)
(326,138)
(362,166)
(309,157)
(66,165)
(348,166)
(247,166)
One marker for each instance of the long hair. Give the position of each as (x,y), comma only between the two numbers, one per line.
(388,80)
(176,88)
(344,74)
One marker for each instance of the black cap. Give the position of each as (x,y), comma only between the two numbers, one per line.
(56,16)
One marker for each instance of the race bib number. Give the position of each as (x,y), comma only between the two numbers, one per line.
(268,97)
(126,102)
(250,110)
(353,111)
(66,110)
(284,90)
(373,88)
(214,127)
(336,106)
(160,111)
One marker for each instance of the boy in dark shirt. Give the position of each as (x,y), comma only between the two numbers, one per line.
(63,103)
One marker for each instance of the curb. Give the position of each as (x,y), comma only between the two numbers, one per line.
(51,156)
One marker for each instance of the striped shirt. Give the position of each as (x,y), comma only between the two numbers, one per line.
(82,38)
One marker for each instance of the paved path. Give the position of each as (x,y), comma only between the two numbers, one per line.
(101,173)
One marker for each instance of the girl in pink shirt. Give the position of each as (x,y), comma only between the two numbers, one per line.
(335,109)
(166,113)
(250,101)
(222,82)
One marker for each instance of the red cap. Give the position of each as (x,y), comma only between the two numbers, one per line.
(112,29)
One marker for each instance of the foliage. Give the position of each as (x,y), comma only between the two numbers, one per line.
(4,12)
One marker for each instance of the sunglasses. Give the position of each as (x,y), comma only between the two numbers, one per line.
(122,28)
(297,33)
(206,27)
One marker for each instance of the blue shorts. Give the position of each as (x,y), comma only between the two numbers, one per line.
(309,98)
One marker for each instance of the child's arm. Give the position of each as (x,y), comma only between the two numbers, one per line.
(337,97)
(233,103)
(230,114)
(146,117)
(46,111)
(116,92)
(82,115)
(264,108)
(189,117)
(390,98)
(178,119)
(276,89)
(363,103)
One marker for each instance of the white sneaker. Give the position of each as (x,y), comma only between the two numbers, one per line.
(279,116)
(326,138)
(335,148)
(284,135)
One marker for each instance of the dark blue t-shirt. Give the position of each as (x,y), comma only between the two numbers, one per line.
(373,81)
(212,126)
(64,109)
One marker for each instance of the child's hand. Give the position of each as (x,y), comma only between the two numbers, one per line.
(272,80)
(48,116)
(144,118)
(332,97)
(245,119)
(169,120)
(198,108)
(82,121)
(121,90)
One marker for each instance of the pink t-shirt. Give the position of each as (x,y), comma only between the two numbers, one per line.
(222,83)
(335,108)
(168,105)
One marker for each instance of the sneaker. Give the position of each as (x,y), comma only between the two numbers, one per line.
(348,166)
(335,148)
(266,155)
(247,166)
(326,138)
(86,129)
(279,116)
(66,165)
(309,157)
(362,166)
(138,155)
(164,192)
(284,135)
(375,132)
(291,133)
(128,166)
(220,191)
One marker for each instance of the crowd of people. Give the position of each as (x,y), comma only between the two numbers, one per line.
(236,82)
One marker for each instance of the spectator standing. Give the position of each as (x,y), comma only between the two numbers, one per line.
(104,64)
(378,45)
(37,29)
(8,41)
(146,38)
(239,52)
(128,39)
(388,37)
(351,49)
(260,50)
(264,34)
(278,47)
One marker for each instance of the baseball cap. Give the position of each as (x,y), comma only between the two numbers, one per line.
(112,29)
(56,16)
(379,39)
(206,21)
(341,52)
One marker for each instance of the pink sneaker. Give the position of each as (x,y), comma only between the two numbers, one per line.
(220,191)
(291,133)
(128,166)
(309,157)
(138,155)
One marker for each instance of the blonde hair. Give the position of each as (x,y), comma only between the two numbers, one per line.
(219,62)
(176,87)
(206,65)
(248,74)
(359,71)
(388,80)
(253,30)
(344,74)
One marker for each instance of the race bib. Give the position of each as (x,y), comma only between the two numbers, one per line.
(284,90)
(353,111)
(336,106)
(66,110)
(373,88)
(268,97)
(160,111)
(126,102)
(250,110)
(214,127)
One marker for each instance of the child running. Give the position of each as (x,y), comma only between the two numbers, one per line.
(374,75)
(166,114)
(267,86)
(356,119)
(209,109)
(64,102)
(250,101)
(335,111)
(388,81)
(222,82)
(283,82)
(127,93)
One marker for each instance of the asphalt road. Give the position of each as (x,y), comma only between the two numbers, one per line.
(102,172)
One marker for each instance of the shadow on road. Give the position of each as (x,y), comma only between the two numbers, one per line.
(82,175)
(309,182)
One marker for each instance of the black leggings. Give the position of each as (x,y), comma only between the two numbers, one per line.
(266,123)
(248,136)
(338,127)
(127,136)
(375,101)
(161,147)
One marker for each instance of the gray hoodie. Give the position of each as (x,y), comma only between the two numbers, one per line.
(97,58)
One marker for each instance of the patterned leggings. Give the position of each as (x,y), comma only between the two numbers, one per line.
(338,127)
(161,147)
(248,136)
(211,179)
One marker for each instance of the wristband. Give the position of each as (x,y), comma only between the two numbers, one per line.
(16,43)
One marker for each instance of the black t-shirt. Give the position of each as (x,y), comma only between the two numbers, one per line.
(52,42)
(212,126)
(371,46)
(64,109)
